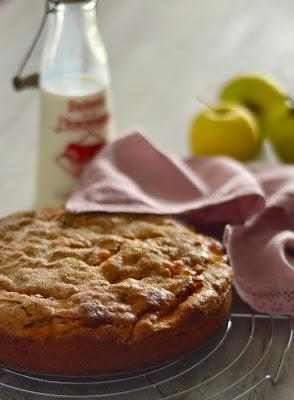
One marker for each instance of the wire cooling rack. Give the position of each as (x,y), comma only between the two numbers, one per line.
(247,352)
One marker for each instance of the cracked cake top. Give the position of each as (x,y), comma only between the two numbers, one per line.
(112,276)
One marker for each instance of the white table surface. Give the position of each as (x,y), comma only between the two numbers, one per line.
(165,55)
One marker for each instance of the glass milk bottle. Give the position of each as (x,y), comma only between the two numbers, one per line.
(75,111)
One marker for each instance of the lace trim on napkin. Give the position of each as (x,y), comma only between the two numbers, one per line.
(274,302)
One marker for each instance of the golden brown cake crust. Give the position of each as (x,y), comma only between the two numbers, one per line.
(97,293)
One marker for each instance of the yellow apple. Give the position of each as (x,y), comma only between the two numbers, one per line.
(280,132)
(261,94)
(225,129)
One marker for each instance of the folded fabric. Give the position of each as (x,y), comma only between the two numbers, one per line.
(262,250)
(257,201)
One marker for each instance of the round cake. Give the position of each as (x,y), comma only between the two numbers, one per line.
(99,293)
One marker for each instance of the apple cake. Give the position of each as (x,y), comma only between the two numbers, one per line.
(99,293)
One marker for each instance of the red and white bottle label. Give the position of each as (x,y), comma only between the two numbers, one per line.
(89,118)
(72,130)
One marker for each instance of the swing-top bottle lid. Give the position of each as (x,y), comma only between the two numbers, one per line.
(32,80)
(70,1)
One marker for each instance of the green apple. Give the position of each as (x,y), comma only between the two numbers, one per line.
(260,93)
(225,129)
(280,132)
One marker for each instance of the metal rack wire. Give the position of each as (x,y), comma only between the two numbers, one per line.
(248,352)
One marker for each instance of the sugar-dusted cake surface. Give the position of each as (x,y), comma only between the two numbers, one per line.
(98,293)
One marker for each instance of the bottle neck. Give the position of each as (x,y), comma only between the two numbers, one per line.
(75,19)
(74,47)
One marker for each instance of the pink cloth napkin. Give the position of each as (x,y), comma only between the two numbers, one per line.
(262,250)
(257,201)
